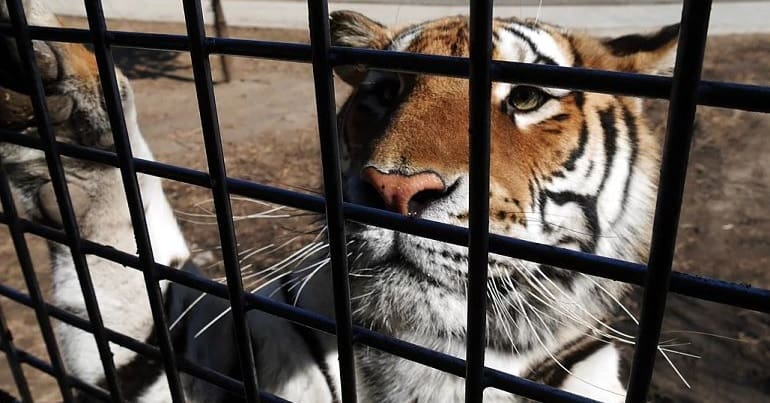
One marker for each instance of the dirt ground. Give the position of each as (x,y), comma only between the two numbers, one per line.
(267,116)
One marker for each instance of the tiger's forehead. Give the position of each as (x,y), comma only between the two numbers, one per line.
(512,40)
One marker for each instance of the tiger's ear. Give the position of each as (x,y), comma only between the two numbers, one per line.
(645,53)
(352,29)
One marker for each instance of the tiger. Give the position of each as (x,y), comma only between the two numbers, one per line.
(569,168)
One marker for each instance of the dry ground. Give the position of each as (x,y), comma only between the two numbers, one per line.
(267,116)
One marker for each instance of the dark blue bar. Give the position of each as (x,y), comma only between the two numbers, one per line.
(480,91)
(114,106)
(746,97)
(676,151)
(204,88)
(320,41)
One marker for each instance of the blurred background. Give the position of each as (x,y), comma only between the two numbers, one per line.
(268,121)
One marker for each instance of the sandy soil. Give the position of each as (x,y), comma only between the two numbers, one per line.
(267,116)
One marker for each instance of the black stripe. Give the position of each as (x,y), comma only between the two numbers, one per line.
(578,59)
(584,246)
(560,117)
(495,37)
(579,150)
(543,59)
(587,203)
(633,138)
(540,57)
(551,373)
(607,119)
(580,99)
(635,43)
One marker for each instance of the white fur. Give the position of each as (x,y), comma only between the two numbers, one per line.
(157,392)
(120,291)
(596,377)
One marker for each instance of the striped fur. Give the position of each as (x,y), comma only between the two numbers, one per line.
(578,172)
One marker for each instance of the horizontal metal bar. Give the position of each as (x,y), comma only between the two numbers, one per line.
(706,288)
(753,98)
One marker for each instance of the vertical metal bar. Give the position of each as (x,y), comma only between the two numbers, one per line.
(120,135)
(59,182)
(6,341)
(679,133)
(320,42)
(478,244)
(213,143)
(220,26)
(33,287)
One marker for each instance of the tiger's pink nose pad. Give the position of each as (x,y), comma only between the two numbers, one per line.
(397,191)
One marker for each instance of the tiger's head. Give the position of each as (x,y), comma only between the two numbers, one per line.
(568,168)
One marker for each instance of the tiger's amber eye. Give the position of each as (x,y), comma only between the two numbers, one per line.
(525,99)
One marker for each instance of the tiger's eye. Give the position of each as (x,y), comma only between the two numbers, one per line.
(525,99)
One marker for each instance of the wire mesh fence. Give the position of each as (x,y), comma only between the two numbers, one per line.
(685,90)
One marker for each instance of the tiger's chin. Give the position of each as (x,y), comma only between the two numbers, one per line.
(393,289)
(415,288)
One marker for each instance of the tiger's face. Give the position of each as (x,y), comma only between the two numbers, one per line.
(568,168)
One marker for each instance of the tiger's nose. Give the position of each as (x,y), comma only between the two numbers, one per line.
(405,194)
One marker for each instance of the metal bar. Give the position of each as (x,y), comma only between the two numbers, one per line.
(218,175)
(12,355)
(33,286)
(320,42)
(480,88)
(746,97)
(59,182)
(705,288)
(113,102)
(679,133)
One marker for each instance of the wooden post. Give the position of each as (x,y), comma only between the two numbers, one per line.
(220,27)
